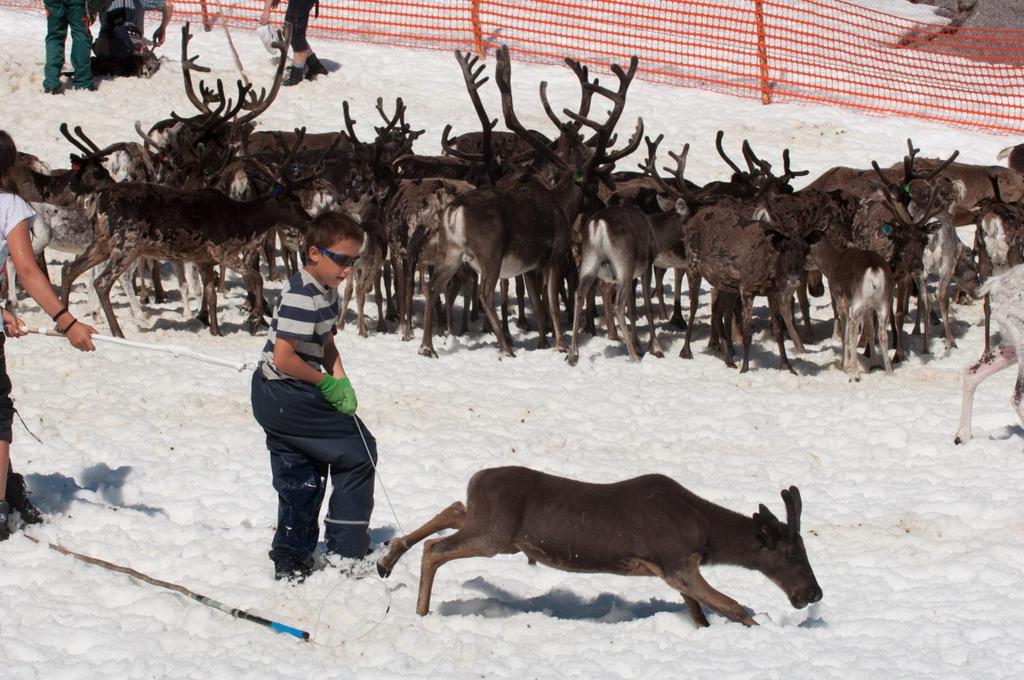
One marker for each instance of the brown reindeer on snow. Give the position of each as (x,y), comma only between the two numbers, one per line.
(646,526)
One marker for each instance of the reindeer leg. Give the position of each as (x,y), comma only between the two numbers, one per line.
(899,313)
(780,338)
(209,277)
(382,325)
(790,321)
(443,273)
(883,335)
(346,298)
(658,284)
(630,287)
(270,253)
(621,298)
(521,321)
(690,582)
(989,364)
(533,288)
(748,322)
(696,612)
(362,284)
(452,517)
(713,337)
(654,347)
(590,326)
(987,306)
(805,309)
(159,296)
(119,263)
(677,299)
(608,302)
(97,252)
(554,277)
(438,551)
(248,265)
(943,304)
(586,285)
(503,305)
(924,312)
(693,279)
(134,302)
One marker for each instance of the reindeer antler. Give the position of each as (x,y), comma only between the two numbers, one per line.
(791,497)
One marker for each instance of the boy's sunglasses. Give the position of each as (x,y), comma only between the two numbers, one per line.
(339,259)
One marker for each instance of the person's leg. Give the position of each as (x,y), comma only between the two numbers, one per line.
(81,44)
(335,440)
(6,419)
(56,34)
(309,424)
(351,502)
(298,16)
(300,484)
(300,481)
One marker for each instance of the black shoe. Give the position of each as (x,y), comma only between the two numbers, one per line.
(52,90)
(314,68)
(296,74)
(87,88)
(291,567)
(17,497)
(5,510)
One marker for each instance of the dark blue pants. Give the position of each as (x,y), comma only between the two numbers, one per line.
(6,404)
(298,15)
(309,441)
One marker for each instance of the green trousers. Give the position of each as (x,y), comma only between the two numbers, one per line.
(61,14)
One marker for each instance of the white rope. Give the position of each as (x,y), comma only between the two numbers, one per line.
(175,350)
(376,472)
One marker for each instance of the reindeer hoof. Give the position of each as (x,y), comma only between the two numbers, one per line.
(685,353)
(383,571)
(572,359)
(428,352)
(657,353)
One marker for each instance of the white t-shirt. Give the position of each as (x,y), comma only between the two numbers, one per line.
(12,211)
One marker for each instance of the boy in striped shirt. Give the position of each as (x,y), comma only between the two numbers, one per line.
(305,403)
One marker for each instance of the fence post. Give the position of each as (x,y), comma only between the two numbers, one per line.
(478,38)
(762,52)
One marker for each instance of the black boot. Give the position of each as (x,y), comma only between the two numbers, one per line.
(296,74)
(290,566)
(17,497)
(5,531)
(314,68)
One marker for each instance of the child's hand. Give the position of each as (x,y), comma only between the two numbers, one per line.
(338,393)
(12,325)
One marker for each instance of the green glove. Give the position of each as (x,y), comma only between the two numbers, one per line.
(338,393)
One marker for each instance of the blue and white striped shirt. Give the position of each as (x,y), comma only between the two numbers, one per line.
(307,313)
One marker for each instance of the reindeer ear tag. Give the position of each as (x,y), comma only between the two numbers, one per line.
(906,189)
(577,177)
(277,191)
(887,229)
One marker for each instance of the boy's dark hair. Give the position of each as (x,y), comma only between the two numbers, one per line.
(329,228)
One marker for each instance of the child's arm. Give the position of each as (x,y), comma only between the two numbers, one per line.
(290,363)
(332,359)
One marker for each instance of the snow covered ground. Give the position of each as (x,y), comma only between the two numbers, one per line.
(156,463)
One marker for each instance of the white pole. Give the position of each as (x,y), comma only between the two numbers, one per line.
(175,350)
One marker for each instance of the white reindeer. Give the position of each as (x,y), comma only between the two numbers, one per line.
(1006,293)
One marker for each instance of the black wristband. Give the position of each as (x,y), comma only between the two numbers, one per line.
(63,310)
(66,329)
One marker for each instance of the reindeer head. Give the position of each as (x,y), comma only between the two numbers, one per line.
(783,558)
(792,242)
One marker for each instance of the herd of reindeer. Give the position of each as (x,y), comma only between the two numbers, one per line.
(551,212)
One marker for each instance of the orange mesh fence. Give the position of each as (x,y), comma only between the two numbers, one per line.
(834,52)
